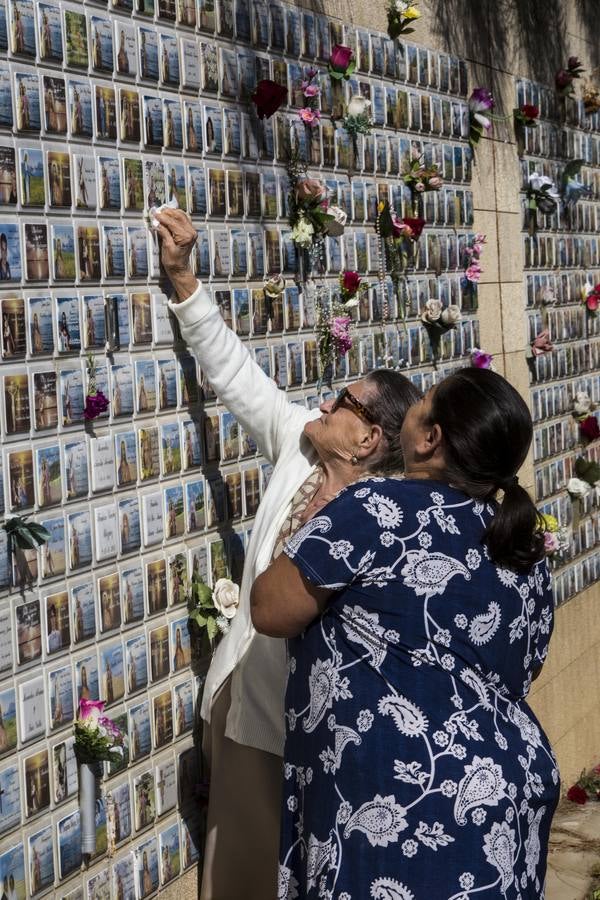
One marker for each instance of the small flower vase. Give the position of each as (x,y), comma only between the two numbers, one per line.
(89,780)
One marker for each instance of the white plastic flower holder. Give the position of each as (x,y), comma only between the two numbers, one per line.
(89,784)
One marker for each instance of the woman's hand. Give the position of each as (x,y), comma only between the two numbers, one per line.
(177,240)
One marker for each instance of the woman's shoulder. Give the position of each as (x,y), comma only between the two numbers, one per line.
(407,490)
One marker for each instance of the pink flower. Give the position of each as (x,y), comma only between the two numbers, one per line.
(310,90)
(474,272)
(551,542)
(90,709)
(339,333)
(435,182)
(340,58)
(310,116)
(310,189)
(420,187)
(480,238)
(480,359)
(542,344)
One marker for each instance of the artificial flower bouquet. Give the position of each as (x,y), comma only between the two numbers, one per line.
(400,15)
(481,106)
(399,236)
(421,178)
(591,96)
(310,112)
(334,322)
(212,609)
(527,115)
(564,78)
(591,298)
(541,194)
(97,738)
(480,359)
(471,263)
(357,120)
(555,536)
(587,787)
(96,403)
(437,320)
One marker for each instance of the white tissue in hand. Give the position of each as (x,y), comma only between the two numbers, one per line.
(151,214)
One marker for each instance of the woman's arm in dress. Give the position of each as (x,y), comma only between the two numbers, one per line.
(284,602)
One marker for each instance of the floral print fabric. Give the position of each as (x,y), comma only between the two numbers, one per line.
(414,770)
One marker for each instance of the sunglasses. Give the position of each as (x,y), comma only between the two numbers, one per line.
(357,407)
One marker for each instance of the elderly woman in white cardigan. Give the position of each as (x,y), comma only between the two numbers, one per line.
(315,454)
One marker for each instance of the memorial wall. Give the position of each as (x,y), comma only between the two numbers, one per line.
(106,112)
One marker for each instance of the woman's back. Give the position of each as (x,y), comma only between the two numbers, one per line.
(405,701)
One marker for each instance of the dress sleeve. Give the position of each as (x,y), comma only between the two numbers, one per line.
(546,618)
(347,540)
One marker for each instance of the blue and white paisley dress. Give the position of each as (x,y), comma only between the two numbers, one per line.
(414,769)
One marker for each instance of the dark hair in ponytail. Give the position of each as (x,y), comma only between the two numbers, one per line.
(393,395)
(486,433)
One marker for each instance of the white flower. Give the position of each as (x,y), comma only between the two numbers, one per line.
(440,738)
(287,771)
(442,636)
(292,664)
(582,404)
(458,751)
(461,620)
(473,559)
(448,662)
(292,804)
(386,538)
(509,814)
(365,720)
(336,227)
(425,540)
(578,488)
(437,498)
(432,310)
(309,775)
(303,232)
(479,816)
(391,636)
(351,304)
(226,597)
(358,106)
(448,788)
(362,492)
(340,549)
(466,881)
(222,624)
(451,315)
(409,848)
(538,182)
(274,286)
(423,517)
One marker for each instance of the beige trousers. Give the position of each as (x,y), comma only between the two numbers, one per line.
(242,830)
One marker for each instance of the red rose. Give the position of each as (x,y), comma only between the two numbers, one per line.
(268,97)
(416,226)
(340,58)
(351,282)
(589,428)
(592,301)
(573,63)
(530,111)
(577,794)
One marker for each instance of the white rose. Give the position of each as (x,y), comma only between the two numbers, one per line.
(274,286)
(583,403)
(432,310)
(358,106)
(226,597)
(451,315)
(302,233)
(351,304)
(336,227)
(578,488)
(538,182)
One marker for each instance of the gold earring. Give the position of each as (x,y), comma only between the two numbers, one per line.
(354,459)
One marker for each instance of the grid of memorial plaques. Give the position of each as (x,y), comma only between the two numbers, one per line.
(560,259)
(105,112)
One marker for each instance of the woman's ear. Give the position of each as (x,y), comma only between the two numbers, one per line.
(370,440)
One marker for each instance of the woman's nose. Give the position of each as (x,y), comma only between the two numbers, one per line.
(326,405)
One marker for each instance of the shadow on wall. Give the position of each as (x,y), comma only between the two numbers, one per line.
(587,14)
(523,36)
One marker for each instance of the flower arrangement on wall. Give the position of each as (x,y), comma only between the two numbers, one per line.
(400,15)
(565,77)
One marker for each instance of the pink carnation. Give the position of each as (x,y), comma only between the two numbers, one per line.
(551,542)
(310,90)
(309,116)
(474,272)
(89,709)
(339,333)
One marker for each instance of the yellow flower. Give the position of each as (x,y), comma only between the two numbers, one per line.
(550,523)
(411,13)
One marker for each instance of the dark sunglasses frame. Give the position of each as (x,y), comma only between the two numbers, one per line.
(357,407)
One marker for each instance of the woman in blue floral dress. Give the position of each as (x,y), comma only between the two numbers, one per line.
(418,614)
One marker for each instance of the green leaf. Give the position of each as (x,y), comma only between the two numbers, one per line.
(197,617)
(587,470)
(350,70)
(212,629)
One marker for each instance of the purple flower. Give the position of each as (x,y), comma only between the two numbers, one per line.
(340,334)
(95,405)
(480,100)
(480,359)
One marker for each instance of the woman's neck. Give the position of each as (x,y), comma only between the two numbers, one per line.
(337,474)
(425,471)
